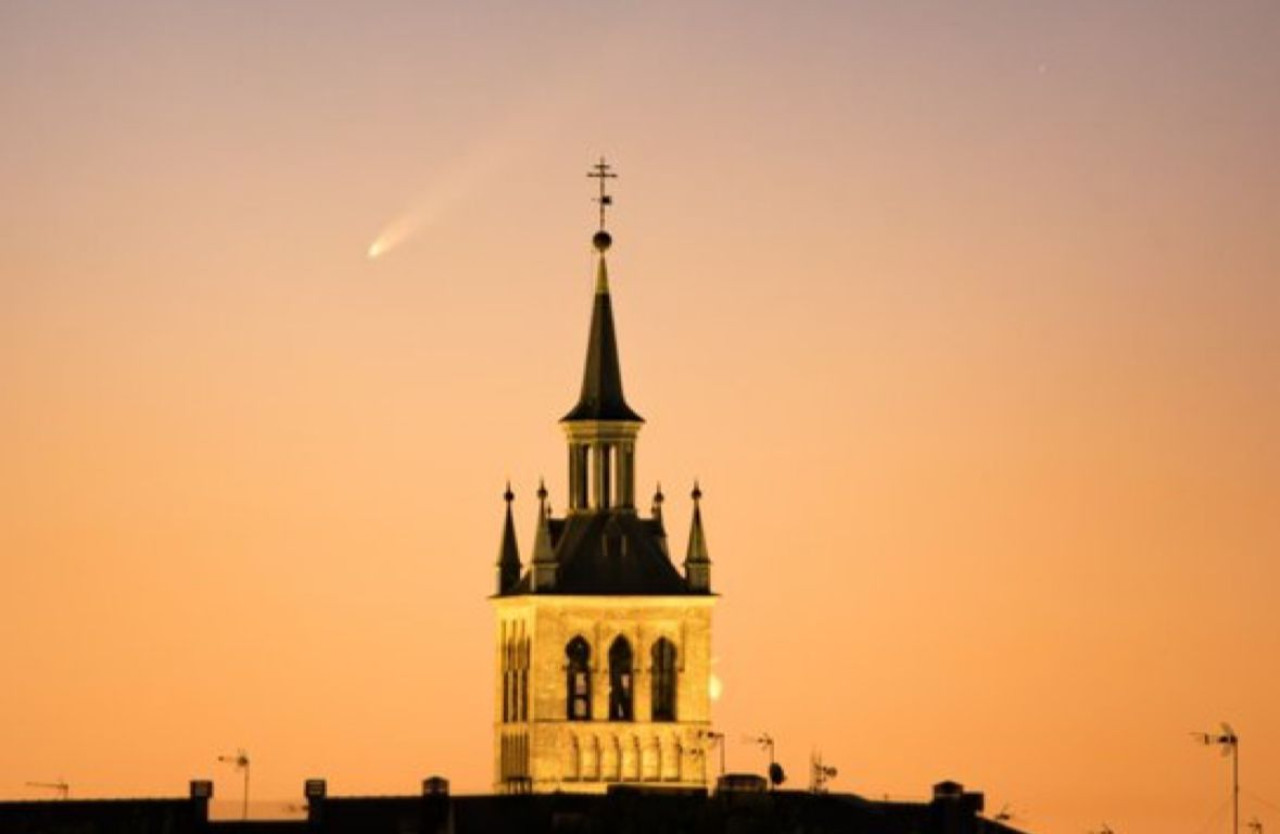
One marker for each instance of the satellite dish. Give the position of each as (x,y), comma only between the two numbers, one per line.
(776,774)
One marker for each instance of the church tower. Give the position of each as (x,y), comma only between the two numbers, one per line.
(603,652)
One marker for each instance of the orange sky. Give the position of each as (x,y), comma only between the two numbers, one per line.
(965,315)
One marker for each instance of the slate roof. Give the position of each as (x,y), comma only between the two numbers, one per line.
(601,397)
(611,552)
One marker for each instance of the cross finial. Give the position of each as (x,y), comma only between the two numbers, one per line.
(602,171)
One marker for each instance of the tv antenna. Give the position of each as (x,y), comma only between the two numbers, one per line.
(776,774)
(241,762)
(1229,744)
(60,787)
(819,773)
(1008,815)
(714,739)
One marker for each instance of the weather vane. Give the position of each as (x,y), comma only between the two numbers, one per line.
(602,172)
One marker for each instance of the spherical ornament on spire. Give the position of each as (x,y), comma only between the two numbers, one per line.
(602,240)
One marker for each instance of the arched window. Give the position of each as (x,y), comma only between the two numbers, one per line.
(664,680)
(579,689)
(620,680)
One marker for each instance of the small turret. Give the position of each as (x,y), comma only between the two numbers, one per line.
(544,555)
(658,499)
(697,562)
(509,553)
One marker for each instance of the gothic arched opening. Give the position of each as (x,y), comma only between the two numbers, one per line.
(620,680)
(664,680)
(579,679)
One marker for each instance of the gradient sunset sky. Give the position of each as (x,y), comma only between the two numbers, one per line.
(965,314)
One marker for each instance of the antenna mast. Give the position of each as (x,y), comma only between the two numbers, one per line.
(61,787)
(819,774)
(776,774)
(241,762)
(1229,743)
(714,739)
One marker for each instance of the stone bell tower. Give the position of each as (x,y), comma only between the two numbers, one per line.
(603,651)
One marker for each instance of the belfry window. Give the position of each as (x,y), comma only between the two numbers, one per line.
(579,680)
(620,680)
(664,680)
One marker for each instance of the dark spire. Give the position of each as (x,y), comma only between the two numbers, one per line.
(544,555)
(601,397)
(697,562)
(509,553)
(658,499)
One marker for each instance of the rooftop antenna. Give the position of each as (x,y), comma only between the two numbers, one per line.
(1229,744)
(714,739)
(776,774)
(60,787)
(819,773)
(241,762)
(1007,814)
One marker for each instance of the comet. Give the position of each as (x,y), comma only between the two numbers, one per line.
(397,232)
(531,121)
(459,181)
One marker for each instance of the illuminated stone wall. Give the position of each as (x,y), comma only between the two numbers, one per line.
(538,748)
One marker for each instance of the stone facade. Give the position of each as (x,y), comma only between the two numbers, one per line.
(538,747)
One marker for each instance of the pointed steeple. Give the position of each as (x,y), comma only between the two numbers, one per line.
(656,512)
(602,428)
(544,555)
(601,397)
(697,562)
(509,552)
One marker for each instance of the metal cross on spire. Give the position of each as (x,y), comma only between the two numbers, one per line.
(602,171)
